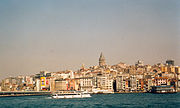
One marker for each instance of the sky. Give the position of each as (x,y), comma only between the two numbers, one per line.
(58,35)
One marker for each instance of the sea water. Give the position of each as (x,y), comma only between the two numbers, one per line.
(130,100)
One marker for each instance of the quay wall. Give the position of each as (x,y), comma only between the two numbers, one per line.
(23,93)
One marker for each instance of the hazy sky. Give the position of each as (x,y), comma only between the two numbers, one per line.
(63,34)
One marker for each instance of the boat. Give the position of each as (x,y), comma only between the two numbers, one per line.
(98,91)
(70,94)
(163,89)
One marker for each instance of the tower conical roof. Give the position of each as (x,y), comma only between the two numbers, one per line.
(102,60)
(101,57)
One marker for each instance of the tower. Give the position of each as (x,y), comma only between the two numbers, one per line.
(102,60)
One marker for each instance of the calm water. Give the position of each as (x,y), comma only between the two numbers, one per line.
(96,101)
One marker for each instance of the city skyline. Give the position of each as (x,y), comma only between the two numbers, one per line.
(101,63)
(61,35)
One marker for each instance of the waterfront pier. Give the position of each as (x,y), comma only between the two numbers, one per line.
(24,93)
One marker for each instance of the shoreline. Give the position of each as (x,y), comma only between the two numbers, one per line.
(23,93)
(48,93)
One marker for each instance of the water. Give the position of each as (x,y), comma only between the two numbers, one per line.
(96,101)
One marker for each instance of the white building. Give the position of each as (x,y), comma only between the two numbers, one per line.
(86,83)
(105,83)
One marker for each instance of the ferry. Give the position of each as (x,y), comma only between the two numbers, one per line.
(70,94)
(163,89)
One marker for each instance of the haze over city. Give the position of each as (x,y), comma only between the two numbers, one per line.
(59,35)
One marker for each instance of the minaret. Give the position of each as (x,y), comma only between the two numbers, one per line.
(102,60)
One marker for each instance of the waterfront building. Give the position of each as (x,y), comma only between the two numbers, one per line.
(77,84)
(177,71)
(161,81)
(43,83)
(150,84)
(104,83)
(60,84)
(47,84)
(133,83)
(38,85)
(86,83)
(138,84)
(120,83)
(70,84)
(127,85)
(52,83)
(8,84)
(178,85)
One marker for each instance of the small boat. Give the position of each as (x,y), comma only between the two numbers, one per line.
(70,94)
